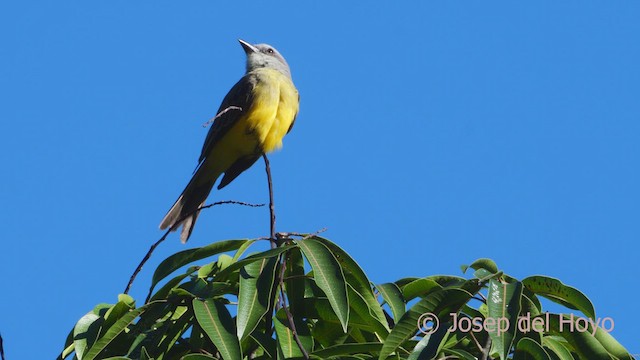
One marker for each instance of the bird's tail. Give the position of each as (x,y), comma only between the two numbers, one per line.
(184,210)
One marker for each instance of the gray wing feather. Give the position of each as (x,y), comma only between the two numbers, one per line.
(240,95)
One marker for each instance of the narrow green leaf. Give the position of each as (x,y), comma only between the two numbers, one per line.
(555,290)
(360,314)
(329,276)
(581,339)
(284,335)
(121,308)
(253,258)
(503,302)
(294,279)
(215,320)
(67,350)
(347,349)
(459,354)
(182,258)
(419,288)
(224,261)
(324,332)
(118,327)
(242,249)
(356,277)
(556,347)
(429,346)
(197,357)
(440,303)
(266,343)
(164,291)
(442,280)
(393,297)
(482,263)
(527,349)
(611,344)
(256,294)
(85,333)
(173,329)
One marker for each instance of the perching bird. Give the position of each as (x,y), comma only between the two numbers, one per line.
(253,118)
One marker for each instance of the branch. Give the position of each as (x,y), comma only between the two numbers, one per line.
(272,206)
(1,349)
(220,114)
(292,324)
(487,348)
(176,225)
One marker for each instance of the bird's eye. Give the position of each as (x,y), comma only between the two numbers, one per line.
(269,51)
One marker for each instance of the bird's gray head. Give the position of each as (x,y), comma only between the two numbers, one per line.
(264,56)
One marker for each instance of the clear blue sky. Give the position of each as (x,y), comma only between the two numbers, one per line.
(429,135)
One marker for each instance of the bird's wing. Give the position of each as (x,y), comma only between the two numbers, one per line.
(240,96)
(294,117)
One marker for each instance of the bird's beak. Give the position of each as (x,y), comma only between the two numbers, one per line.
(248,48)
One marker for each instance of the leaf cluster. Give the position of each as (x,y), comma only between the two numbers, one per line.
(307,298)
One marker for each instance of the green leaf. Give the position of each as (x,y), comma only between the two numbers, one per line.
(284,335)
(611,345)
(164,291)
(459,354)
(347,349)
(503,302)
(85,333)
(419,287)
(294,279)
(256,294)
(329,276)
(68,346)
(182,258)
(483,263)
(443,280)
(440,303)
(555,290)
(393,297)
(197,357)
(118,327)
(360,314)
(266,343)
(557,348)
(527,349)
(356,277)
(122,307)
(253,258)
(224,261)
(215,320)
(173,328)
(429,346)
(583,342)
(242,249)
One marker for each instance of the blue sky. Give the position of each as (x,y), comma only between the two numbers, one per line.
(430,134)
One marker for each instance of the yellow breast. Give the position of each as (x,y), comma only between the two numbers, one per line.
(274,108)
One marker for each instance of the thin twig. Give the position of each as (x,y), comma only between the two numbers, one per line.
(286,235)
(294,331)
(475,340)
(220,114)
(486,349)
(272,207)
(173,228)
(1,349)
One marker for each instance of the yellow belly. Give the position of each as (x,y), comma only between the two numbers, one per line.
(275,106)
(273,110)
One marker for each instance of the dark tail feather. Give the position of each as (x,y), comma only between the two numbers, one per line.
(193,196)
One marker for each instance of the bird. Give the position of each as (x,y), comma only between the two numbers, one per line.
(253,118)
